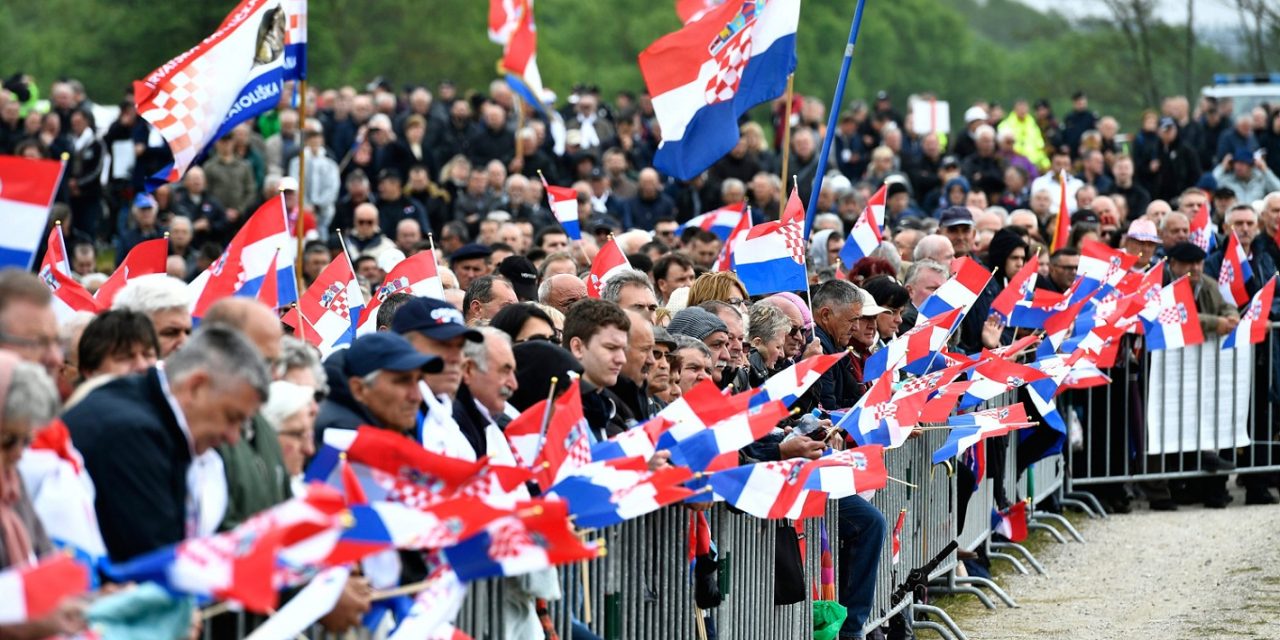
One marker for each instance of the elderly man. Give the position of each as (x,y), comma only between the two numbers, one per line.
(139,434)
(631,290)
(28,326)
(486,296)
(375,382)
(936,248)
(560,291)
(1242,221)
(1175,228)
(956,224)
(470,262)
(700,324)
(649,204)
(1027,221)
(408,235)
(166,301)
(736,373)
(922,279)
(1269,227)
(489,370)
(632,385)
(837,306)
(366,237)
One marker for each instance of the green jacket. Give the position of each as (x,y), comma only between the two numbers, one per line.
(256,477)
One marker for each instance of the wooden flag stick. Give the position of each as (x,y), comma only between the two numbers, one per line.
(904,482)
(786,130)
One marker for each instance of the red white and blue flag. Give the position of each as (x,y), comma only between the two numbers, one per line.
(1020,288)
(329,310)
(995,376)
(603,494)
(918,344)
(520,51)
(692,412)
(1254,320)
(416,275)
(879,418)
(1012,522)
(771,259)
(69,297)
(531,539)
(1101,269)
(791,383)
(961,291)
(609,262)
(230,77)
(768,490)
(860,469)
(1171,321)
(55,251)
(32,592)
(242,267)
(1201,235)
(724,262)
(562,446)
(707,74)
(637,441)
(62,493)
(27,189)
(1235,272)
(699,450)
(721,221)
(564,204)
(145,258)
(863,238)
(409,473)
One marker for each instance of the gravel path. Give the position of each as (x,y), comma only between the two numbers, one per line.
(1195,573)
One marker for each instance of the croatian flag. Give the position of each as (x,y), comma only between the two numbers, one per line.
(392,454)
(703,405)
(1042,392)
(1012,522)
(1235,272)
(728,436)
(1255,319)
(27,189)
(693,10)
(33,592)
(1021,287)
(771,259)
(996,421)
(725,260)
(878,418)
(520,54)
(1171,320)
(1101,269)
(242,267)
(863,238)
(860,469)
(995,376)
(416,275)
(55,251)
(791,383)
(603,494)
(434,608)
(553,451)
(1201,234)
(960,292)
(564,204)
(794,211)
(1062,224)
(921,342)
(721,221)
(959,439)
(609,262)
(228,78)
(530,540)
(69,297)
(1037,311)
(706,75)
(768,490)
(329,310)
(635,442)
(145,258)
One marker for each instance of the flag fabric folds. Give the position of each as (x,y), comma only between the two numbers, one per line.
(564,204)
(1254,320)
(146,258)
(1235,272)
(863,238)
(243,265)
(721,221)
(329,310)
(603,494)
(27,189)
(32,592)
(609,262)
(1062,224)
(960,291)
(534,538)
(771,259)
(1201,235)
(724,262)
(416,275)
(565,443)
(69,296)
(921,342)
(707,74)
(1171,321)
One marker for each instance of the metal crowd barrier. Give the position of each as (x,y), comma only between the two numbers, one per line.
(1178,413)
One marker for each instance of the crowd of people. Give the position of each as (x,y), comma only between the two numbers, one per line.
(188,432)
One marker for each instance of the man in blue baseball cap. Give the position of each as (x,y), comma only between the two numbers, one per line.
(378,384)
(143,224)
(453,425)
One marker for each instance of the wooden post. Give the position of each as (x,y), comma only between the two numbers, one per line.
(786,130)
(302,185)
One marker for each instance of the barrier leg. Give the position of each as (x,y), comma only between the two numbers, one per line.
(984,582)
(951,630)
(1032,525)
(954,588)
(1066,524)
(996,555)
(1024,553)
(1085,502)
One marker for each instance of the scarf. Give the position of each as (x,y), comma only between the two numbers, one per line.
(590,137)
(17,541)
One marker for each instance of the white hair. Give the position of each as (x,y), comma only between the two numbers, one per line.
(31,395)
(284,400)
(478,352)
(829,221)
(151,293)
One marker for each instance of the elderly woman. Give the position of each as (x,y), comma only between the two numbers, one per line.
(768,338)
(291,410)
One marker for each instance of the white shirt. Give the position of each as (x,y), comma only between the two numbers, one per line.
(206,477)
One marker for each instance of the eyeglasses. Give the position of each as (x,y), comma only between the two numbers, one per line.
(297,434)
(27,343)
(737,302)
(555,337)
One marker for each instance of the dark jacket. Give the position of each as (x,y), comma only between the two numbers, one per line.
(256,477)
(138,458)
(339,410)
(606,415)
(634,396)
(837,388)
(470,421)
(1260,261)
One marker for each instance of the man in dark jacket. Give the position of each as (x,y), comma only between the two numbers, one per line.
(138,435)
(375,383)
(1174,167)
(837,304)
(633,381)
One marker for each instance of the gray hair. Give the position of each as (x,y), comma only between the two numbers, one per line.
(478,352)
(766,321)
(621,280)
(481,289)
(888,252)
(225,354)
(920,266)
(296,354)
(32,395)
(834,221)
(688,342)
(730,183)
(544,290)
(926,245)
(151,293)
(835,293)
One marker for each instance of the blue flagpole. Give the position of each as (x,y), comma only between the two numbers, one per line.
(836,101)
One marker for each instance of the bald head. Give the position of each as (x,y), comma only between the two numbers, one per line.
(253,319)
(561,291)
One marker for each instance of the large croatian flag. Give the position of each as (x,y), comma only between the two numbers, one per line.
(27,188)
(263,241)
(771,259)
(230,77)
(705,75)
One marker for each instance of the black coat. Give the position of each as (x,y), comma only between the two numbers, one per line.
(138,458)
(837,388)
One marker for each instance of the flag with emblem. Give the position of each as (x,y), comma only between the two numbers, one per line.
(520,52)
(329,310)
(27,189)
(429,476)
(701,449)
(531,539)
(704,404)
(416,275)
(1021,287)
(860,469)
(603,494)
(1101,268)
(1171,320)
(994,376)
(917,345)
(771,259)
(145,258)
(960,292)
(767,489)
(878,419)
(609,262)
(791,383)
(69,297)
(1254,320)
(1235,272)
(863,238)
(553,451)
(721,221)
(707,74)
(564,204)
(230,77)
(1201,235)
(724,262)
(55,251)
(243,265)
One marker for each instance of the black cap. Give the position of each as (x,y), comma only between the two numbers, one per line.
(388,174)
(1077,95)
(1085,215)
(954,217)
(596,173)
(435,319)
(387,351)
(469,252)
(523,277)
(894,188)
(1185,252)
(537,361)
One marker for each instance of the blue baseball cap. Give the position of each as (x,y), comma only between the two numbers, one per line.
(433,318)
(144,201)
(387,351)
